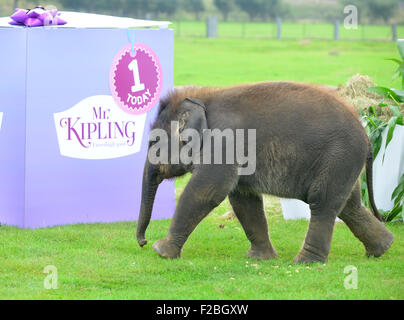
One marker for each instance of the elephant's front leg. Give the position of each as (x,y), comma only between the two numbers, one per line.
(207,188)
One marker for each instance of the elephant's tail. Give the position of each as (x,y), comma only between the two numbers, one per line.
(369,182)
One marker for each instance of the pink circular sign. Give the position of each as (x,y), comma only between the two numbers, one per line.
(136,80)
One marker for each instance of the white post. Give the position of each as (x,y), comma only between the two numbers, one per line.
(278,28)
(211,27)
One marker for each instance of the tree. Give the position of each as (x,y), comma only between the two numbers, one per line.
(168,7)
(196,6)
(251,7)
(272,9)
(374,9)
(90,5)
(383,9)
(136,8)
(131,8)
(224,6)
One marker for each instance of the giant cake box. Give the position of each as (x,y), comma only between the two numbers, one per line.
(76,106)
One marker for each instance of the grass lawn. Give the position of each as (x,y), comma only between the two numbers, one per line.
(103,261)
(219,62)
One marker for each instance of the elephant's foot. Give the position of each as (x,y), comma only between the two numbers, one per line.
(377,247)
(166,249)
(308,256)
(262,253)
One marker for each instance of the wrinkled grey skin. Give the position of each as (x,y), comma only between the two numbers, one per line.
(310,146)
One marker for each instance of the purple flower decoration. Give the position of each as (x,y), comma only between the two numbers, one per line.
(36,17)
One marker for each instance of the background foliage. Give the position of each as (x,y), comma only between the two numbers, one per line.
(370,11)
(392,99)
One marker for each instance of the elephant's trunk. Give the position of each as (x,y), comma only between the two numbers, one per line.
(150,184)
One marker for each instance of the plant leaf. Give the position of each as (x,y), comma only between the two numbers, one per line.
(396,74)
(376,141)
(398,191)
(397,113)
(398,61)
(399,92)
(400,46)
(390,215)
(385,92)
(391,125)
(402,213)
(364,190)
(372,110)
(399,199)
(370,120)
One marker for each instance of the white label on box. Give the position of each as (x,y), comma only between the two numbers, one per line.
(96,128)
(1,119)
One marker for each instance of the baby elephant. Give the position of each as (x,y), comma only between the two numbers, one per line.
(307,144)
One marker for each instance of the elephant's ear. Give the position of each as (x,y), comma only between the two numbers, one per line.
(192,115)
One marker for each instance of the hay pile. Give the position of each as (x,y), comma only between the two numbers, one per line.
(356,94)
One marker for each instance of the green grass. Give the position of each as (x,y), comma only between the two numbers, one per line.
(229,61)
(103,261)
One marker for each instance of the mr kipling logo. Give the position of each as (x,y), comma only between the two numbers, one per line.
(96,129)
(100,129)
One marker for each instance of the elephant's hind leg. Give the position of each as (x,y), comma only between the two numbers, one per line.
(371,232)
(326,196)
(318,238)
(249,209)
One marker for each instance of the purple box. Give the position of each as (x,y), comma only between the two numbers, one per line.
(69,150)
